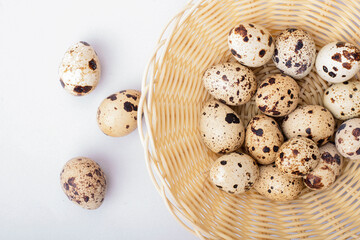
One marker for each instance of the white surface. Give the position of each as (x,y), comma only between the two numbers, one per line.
(42,126)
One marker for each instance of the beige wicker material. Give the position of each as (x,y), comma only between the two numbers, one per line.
(177,159)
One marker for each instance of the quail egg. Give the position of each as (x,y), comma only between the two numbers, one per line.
(343,100)
(328,169)
(347,139)
(234,173)
(80,69)
(221,128)
(263,138)
(117,114)
(275,185)
(83,182)
(338,62)
(278,95)
(251,44)
(294,52)
(311,121)
(297,157)
(230,83)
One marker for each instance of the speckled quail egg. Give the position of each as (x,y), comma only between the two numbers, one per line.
(328,169)
(234,172)
(332,158)
(263,138)
(347,139)
(343,100)
(221,128)
(80,69)
(230,83)
(117,114)
(275,185)
(251,44)
(294,52)
(278,95)
(311,121)
(83,182)
(297,157)
(338,62)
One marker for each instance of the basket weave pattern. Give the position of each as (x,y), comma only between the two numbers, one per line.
(173,94)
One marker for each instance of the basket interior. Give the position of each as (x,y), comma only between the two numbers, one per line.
(183,161)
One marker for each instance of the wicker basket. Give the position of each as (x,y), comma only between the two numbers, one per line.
(177,159)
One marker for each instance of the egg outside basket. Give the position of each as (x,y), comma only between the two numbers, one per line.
(173,94)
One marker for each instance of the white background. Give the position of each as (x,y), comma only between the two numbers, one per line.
(42,126)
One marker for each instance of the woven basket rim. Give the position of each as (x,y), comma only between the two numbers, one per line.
(147,137)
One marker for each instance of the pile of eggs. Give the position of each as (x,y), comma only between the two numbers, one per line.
(286,147)
(82,179)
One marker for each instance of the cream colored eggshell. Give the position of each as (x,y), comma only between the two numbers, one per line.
(329,168)
(278,95)
(251,44)
(347,139)
(263,138)
(275,185)
(230,83)
(80,69)
(338,62)
(83,182)
(311,121)
(331,157)
(295,52)
(221,128)
(343,100)
(234,173)
(117,114)
(297,157)
(320,178)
